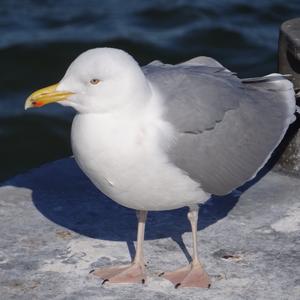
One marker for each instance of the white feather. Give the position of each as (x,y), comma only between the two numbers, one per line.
(119,138)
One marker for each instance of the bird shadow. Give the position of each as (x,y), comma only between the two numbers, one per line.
(64,195)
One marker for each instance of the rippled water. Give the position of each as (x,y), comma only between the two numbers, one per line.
(39,39)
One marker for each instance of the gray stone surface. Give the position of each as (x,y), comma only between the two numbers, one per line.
(56,227)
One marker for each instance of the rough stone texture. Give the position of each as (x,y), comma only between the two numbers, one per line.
(289,63)
(56,227)
(289,162)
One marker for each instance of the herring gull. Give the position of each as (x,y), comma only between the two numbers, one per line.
(164,136)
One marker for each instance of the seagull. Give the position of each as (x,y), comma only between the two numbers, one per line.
(164,136)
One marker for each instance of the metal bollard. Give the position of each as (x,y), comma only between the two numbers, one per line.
(289,63)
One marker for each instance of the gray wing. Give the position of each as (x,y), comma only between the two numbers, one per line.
(197,96)
(226,128)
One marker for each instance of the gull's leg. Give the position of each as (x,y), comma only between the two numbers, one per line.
(192,275)
(135,272)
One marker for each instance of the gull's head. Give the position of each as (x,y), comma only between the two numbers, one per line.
(99,80)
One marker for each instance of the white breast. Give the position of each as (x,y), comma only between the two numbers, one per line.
(125,159)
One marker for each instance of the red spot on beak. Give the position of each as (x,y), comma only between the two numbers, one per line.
(37,103)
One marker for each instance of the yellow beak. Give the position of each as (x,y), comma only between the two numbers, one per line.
(45,96)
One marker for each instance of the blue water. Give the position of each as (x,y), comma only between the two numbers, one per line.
(39,39)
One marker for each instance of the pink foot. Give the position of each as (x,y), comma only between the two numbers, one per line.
(192,275)
(133,273)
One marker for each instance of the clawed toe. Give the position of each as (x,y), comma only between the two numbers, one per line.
(133,273)
(189,276)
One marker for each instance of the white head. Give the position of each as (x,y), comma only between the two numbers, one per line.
(99,80)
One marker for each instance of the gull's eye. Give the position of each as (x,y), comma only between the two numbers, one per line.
(94,81)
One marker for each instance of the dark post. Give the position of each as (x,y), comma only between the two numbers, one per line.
(289,63)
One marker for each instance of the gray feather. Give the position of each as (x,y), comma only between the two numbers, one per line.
(226,128)
(192,108)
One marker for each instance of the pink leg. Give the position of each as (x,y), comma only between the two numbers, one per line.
(133,273)
(192,275)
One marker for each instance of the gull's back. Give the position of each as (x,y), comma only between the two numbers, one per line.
(227,128)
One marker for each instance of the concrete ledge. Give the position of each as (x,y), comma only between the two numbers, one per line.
(56,227)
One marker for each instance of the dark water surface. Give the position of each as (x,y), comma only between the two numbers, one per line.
(39,39)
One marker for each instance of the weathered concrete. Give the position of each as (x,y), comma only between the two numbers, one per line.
(55,227)
(289,64)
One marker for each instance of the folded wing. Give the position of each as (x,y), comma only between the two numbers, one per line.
(226,128)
